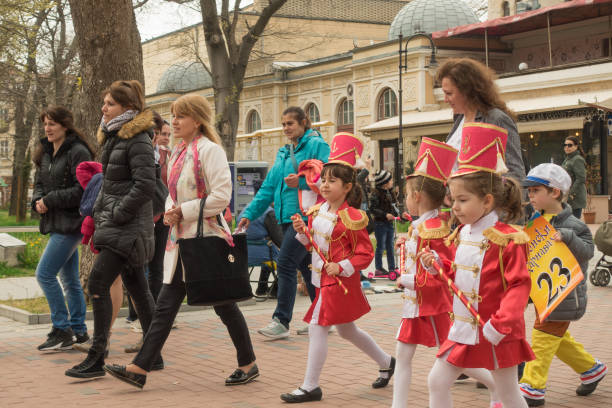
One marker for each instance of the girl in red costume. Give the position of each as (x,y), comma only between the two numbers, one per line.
(427,300)
(339,230)
(490,268)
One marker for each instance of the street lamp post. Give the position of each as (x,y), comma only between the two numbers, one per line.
(403,66)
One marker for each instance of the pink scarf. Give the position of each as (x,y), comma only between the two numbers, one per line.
(173,177)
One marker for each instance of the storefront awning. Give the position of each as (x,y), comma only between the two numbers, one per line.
(520,106)
(562,13)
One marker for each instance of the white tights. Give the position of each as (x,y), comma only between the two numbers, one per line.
(403,373)
(442,376)
(317,350)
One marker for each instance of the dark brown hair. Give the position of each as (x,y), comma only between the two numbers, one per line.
(299,115)
(576,141)
(64,117)
(128,94)
(434,190)
(506,192)
(159,121)
(347,175)
(476,82)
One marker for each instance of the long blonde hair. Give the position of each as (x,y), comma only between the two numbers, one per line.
(197,107)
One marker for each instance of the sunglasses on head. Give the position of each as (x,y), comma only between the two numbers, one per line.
(568,144)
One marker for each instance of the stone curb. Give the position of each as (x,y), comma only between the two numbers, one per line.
(20,315)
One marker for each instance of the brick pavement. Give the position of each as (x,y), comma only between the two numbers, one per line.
(199,356)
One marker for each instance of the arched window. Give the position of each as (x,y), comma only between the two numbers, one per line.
(253,122)
(505,8)
(313,113)
(387,104)
(345,116)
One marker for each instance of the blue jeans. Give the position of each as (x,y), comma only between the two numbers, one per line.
(383,231)
(61,257)
(293,255)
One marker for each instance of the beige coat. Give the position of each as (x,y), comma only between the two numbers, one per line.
(213,163)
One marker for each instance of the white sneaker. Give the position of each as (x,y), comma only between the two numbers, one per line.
(135,326)
(275,330)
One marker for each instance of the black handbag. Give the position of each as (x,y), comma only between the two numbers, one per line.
(215,273)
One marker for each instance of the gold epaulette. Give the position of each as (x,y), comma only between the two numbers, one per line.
(314,210)
(353,224)
(434,229)
(452,237)
(502,234)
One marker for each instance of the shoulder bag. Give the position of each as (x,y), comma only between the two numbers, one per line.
(215,272)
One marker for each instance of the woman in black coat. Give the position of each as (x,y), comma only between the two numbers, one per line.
(123,215)
(57,195)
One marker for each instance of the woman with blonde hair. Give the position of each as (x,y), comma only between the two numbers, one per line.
(197,168)
(470,90)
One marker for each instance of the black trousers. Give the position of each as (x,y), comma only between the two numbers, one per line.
(168,305)
(107,266)
(156,266)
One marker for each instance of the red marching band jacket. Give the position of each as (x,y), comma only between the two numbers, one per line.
(503,292)
(348,245)
(433,294)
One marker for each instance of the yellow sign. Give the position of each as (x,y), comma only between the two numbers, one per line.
(553,268)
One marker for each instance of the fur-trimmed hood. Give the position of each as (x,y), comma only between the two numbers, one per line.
(141,123)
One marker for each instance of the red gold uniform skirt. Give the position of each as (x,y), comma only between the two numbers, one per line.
(430,331)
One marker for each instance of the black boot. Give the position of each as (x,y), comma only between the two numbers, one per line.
(91,367)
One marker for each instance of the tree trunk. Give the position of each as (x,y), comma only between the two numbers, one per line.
(109,48)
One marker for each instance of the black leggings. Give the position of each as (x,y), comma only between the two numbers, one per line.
(168,305)
(107,266)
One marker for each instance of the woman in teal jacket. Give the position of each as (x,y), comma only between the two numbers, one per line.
(281,187)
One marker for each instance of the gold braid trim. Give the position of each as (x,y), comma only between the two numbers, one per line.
(434,233)
(351,224)
(452,237)
(502,239)
(314,210)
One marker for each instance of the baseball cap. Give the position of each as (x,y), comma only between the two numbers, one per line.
(549,175)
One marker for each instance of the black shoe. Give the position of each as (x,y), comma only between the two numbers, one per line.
(239,377)
(382,382)
(58,340)
(119,372)
(314,395)
(86,345)
(91,367)
(480,385)
(586,389)
(462,377)
(158,365)
(534,402)
(81,338)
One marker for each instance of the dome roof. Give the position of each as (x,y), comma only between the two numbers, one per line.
(431,15)
(184,77)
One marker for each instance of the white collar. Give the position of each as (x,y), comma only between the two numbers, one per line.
(485,222)
(425,216)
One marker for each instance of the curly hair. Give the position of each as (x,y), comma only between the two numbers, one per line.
(476,82)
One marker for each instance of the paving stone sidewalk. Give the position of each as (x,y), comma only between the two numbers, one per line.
(199,356)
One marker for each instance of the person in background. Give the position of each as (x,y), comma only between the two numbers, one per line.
(575,165)
(56,197)
(281,187)
(470,90)
(384,209)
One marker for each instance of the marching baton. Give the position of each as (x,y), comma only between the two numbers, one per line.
(318,250)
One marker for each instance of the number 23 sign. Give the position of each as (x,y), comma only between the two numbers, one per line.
(553,268)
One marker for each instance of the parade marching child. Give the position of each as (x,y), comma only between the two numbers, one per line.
(548,185)
(425,315)
(490,272)
(339,234)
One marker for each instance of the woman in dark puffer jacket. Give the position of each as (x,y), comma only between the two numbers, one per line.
(56,197)
(123,215)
